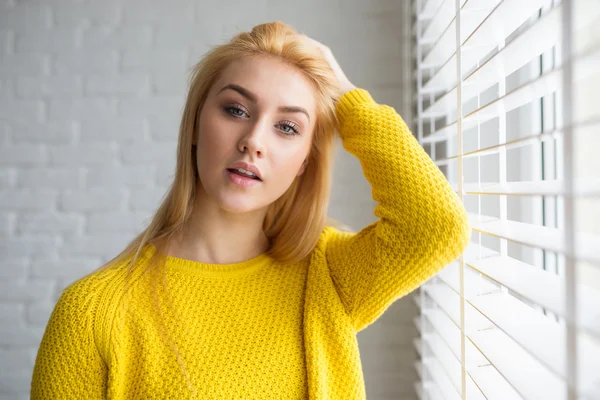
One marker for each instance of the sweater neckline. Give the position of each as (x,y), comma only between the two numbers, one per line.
(191,267)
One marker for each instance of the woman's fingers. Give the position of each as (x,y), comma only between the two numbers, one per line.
(345,84)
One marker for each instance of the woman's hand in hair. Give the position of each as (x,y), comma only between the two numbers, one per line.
(345,84)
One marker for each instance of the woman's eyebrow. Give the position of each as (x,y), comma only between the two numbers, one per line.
(253,98)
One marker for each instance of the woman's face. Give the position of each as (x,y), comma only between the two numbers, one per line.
(262,112)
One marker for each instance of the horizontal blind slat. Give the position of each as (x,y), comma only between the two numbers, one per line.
(493,385)
(540,336)
(439,23)
(430,8)
(514,313)
(548,83)
(473,281)
(534,332)
(444,326)
(520,369)
(448,301)
(448,362)
(451,365)
(540,37)
(582,188)
(445,45)
(579,128)
(493,28)
(536,138)
(586,245)
(548,291)
(442,380)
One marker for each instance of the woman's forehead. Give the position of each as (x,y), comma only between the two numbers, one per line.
(270,81)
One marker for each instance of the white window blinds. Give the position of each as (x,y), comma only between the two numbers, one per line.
(507,106)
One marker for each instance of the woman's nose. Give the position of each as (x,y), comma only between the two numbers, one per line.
(253,139)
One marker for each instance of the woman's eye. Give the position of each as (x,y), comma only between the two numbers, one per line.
(288,129)
(235,111)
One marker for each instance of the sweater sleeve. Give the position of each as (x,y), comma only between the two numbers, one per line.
(68,364)
(422,225)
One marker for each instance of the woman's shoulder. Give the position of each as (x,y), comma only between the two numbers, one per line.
(102,284)
(86,308)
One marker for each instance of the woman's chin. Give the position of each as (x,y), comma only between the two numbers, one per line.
(238,205)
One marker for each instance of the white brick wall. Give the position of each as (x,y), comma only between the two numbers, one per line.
(90,98)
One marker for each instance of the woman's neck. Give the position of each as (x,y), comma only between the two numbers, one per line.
(215,236)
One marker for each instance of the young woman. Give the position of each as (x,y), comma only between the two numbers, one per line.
(239,287)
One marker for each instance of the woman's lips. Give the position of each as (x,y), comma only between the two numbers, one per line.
(243,181)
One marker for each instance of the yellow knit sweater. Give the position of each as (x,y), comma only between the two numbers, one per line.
(259,329)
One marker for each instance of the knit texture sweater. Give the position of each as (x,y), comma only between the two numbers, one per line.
(259,329)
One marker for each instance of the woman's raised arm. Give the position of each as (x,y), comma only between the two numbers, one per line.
(422,224)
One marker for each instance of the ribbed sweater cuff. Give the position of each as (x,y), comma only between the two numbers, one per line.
(350,100)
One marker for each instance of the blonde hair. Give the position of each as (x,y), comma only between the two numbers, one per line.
(294,222)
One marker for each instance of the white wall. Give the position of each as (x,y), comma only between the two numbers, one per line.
(90,98)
